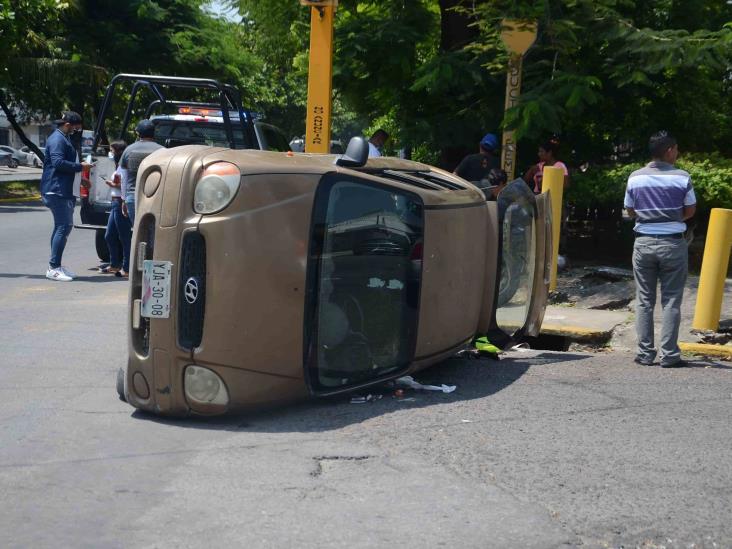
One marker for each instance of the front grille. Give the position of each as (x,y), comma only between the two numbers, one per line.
(192,290)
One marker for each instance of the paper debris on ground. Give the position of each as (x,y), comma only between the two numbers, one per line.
(408,381)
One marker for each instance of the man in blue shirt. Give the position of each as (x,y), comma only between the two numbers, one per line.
(57,189)
(660,198)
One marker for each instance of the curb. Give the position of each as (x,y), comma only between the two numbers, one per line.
(706,349)
(575,333)
(20,200)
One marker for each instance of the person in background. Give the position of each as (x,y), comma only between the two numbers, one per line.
(130,162)
(376,143)
(660,197)
(548,152)
(476,167)
(493,184)
(119,229)
(61,172)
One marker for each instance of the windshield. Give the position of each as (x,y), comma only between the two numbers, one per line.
(367,244)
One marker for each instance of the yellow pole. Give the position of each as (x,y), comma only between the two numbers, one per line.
(320,77)
(553,183)
(513,91)
(714,270)
(518,37)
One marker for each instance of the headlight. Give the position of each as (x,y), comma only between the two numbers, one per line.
(217,188)
(204,386)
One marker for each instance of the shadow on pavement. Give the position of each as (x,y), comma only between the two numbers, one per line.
(474,379)
(83,278)
(707,364)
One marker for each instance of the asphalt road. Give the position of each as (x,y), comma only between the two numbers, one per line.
(538,450)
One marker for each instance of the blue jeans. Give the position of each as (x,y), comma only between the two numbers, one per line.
(63,221)
(664,260)
(130,201)
(119,230)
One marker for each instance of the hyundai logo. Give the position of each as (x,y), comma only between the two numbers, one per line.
(191,290)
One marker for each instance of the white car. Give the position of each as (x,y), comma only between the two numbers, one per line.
(24,156)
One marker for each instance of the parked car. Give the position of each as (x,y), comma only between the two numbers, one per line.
(265,277)
(16,157)
(224,124)
(32,159)
(6,159)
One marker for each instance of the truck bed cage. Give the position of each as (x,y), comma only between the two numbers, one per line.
(229,100)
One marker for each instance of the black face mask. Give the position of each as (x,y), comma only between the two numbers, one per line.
(117,158)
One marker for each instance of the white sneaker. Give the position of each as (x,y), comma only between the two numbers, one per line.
(67,272)
(58,274)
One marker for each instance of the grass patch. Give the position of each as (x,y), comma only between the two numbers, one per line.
(19,189)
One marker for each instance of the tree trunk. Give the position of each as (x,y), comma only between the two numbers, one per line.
(455,31)
(14,123)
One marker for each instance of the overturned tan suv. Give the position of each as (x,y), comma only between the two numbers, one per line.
(263,277)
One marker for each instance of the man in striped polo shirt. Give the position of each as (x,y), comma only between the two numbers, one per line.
(660,198)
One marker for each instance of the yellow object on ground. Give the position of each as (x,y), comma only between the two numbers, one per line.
(714,270)
(320,79)
(482,344)
(553,182)
(705,349)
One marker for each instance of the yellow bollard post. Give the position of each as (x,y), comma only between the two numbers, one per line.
(714,270)
(553,183)
(320,75)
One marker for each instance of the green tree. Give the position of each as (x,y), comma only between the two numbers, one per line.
(606,73)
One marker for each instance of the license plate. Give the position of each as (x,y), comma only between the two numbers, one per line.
(156,288)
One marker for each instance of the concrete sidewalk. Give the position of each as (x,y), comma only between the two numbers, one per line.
(580,321)
(582,324)
(21,173)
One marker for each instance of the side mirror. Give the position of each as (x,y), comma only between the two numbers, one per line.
(356,155)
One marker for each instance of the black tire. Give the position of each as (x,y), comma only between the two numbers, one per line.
(12,163)
(121,384)
(101,246)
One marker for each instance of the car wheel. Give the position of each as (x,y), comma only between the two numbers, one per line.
(101,246)
(12,163)
(121,384)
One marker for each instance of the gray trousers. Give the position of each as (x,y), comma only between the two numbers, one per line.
(664,260)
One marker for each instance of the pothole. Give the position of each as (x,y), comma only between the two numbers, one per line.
(325,464)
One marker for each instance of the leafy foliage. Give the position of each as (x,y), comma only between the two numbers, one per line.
(603,73)
(607,73)
(604,187)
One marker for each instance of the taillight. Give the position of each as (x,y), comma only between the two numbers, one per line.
(85,174)
(417,251)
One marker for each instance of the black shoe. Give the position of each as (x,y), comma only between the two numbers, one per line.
(642,362)
(677,364)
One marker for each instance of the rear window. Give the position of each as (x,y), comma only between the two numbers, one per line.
(272,138)
(172,133)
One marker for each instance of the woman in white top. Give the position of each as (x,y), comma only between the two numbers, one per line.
(119,230)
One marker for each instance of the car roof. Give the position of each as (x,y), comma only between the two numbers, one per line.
(407,173)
